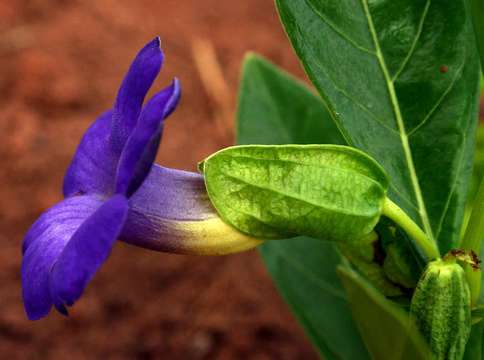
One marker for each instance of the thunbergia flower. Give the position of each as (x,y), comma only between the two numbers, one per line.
(114,191)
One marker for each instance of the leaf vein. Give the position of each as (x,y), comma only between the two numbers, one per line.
(414,43)
(338,31)
(292,196)
(399,193)
(356,102)
(439,101)
(401,125)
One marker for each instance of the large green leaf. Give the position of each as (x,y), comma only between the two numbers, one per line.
(478,174)
(385,326)
(478,16)
(330,192)
(304,270)
(474,347)
(274,108)
(400,77)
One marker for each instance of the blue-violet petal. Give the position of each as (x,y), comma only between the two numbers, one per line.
(138,80)
(44,243)
(86,251)
(171,212)
(93,168)
(141,148)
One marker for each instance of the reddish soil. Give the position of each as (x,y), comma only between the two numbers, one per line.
(60,65)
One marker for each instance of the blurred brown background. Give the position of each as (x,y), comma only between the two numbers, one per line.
(60,65)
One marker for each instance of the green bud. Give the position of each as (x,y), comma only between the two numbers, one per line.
(441,309)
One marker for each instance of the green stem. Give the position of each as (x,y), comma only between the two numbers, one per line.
(391,210)
(472,240)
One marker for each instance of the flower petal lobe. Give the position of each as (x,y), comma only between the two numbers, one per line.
(93,166)
(138,80)
(142,146)
(86,251)
(44,243)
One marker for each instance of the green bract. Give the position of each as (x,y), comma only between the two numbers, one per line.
(329,192)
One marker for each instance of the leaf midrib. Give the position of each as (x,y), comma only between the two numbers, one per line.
(295,197)
(400,123)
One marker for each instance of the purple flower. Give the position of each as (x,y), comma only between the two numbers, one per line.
(114,191)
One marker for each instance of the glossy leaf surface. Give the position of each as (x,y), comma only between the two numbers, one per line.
(400,77)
